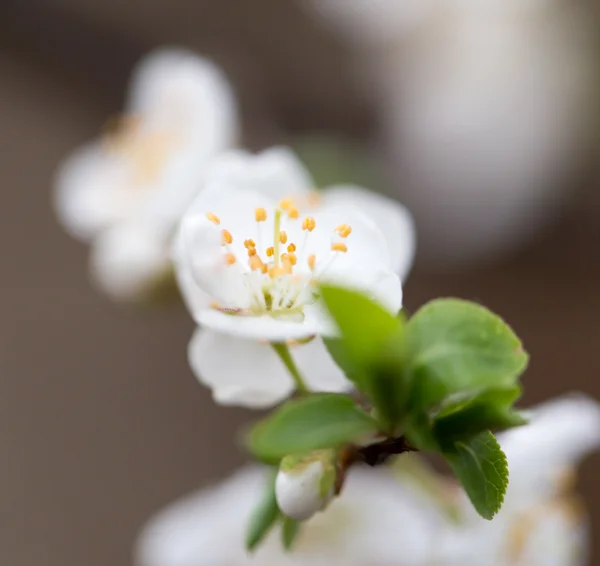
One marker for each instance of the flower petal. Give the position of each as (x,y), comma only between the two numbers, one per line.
(276,173)
(265,327)
(90,191)
(391,217)
(249,373)
(178,86)
(129,260)
(205,261)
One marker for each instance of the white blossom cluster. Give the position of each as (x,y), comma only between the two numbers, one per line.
(167,195)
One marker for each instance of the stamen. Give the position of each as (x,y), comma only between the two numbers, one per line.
(255,263)
(339,247)
(293,213)
(213,218)
(309,224)
(227,238)
(251,252)
(291,248)
(270,251)
(312,261)
(276,272)
(249,244)
(286,204)
(230,259)
(292,258)
(283,237)
(344,230)
(215,305)
(260,214)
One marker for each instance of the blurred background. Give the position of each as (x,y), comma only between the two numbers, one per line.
(494,150)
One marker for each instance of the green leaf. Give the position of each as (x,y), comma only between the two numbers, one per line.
(458,347)
(371,351)
(264,516)
(364,325)
(316,422)
(480,466)
(489,411)
(289,531)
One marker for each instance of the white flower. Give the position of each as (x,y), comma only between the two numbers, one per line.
(383,520)
(248,255)
(305,485)
(125,192)
(376,521)
(541,522)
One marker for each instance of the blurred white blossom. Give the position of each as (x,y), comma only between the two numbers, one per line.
(125,192)
(487,107)
(248,254)
(383,520)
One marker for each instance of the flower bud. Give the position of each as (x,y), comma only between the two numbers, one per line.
(305,484)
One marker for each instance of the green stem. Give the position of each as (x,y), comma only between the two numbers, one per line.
(277,230)
(283,352)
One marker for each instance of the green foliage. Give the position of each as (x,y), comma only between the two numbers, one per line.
(312,423)
(491,410)
(457,347)
(264,516)
(481,467)
(444,379)
(289,532)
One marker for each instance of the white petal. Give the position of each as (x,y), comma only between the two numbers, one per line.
(194,297)
(263,327)
(204,260)
(249,373)
(91,193)
(276,173)
(178,87)
(193,531)
(561,432)
(129,260)
(391,217)
(366,264)
(360,528)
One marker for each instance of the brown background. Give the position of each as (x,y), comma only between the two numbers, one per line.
(101,421)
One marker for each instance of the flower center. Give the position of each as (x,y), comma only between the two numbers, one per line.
(280,273)
(146,148)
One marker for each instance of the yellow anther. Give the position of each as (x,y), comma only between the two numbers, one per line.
(283,237)
(292,258)
(276,272)
(286,204)
(264,268)
(213,218)
(255,263)
(214,305)
(291,248)
(249,244)
(226,237)
(344,230)
(339,247)
(230,259)
(251,252)
(312,261)
(309,224)
(293,212)
(260,214)
(270,251)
